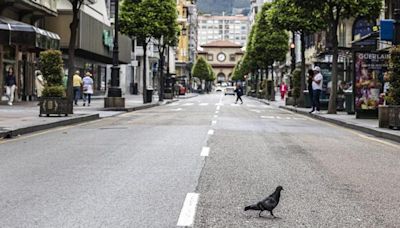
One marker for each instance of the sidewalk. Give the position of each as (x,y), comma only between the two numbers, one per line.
(23,117)
(369,126)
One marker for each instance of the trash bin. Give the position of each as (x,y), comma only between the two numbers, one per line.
(149,95)
(307,100)
(349,102)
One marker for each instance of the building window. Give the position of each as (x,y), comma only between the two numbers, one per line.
(232,57)
(210,57)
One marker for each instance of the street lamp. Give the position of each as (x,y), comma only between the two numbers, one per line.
(114,97)
(293,55)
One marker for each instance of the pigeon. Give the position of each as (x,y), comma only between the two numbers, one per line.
(267,204)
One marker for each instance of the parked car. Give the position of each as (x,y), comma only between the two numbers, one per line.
(219,88)
(229,90)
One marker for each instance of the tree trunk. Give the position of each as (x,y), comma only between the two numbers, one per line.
(303,69)
(144,72)
(71,51)
(257,85)
(161,79)
(333,94)
(273,83)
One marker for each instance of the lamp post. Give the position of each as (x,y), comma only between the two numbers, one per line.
(114,97)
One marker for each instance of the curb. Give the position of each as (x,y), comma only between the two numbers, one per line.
(366,130)
(30,129)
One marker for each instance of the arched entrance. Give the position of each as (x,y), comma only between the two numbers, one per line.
(221,77)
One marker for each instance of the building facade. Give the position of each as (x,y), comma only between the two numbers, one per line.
(94,42)
(22,37)
(222,55)
(232,28)
(187,42)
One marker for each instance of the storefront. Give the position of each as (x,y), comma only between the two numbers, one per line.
(94,47)
(20,45)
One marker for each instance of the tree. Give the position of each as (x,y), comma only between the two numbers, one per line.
(76,6)
(269,43)
(166,34)
(201,69)
(333,11)
(297,19)
(141,19)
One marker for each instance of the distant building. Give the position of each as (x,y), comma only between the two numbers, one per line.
(223,56)
(231,28)
(255,7)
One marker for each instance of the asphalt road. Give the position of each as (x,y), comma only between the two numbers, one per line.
(137,169)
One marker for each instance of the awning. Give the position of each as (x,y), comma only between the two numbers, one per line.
(16,32)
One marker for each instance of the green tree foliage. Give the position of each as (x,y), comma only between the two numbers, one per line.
(146,19)
(300,19)
(393,97)
(269,44)
(166,34)
(247,63)
(333,11)
(51,66)
(201,69)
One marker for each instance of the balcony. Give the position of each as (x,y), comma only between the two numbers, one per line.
(36,7)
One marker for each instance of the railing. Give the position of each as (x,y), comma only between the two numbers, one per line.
(49,4)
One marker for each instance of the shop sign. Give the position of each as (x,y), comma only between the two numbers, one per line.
(107,39)
(369,72)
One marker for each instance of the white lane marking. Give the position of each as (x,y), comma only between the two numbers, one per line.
(186,218)
(174,104)
(255,110)
(216,112)
(215,116)
(268,117)
(203,104)
(210,132)
(188,104)
(251,105)
(205,151)
(218,107)
(213,122)
(278,117)
(219,104)
(235,104)
(177,109)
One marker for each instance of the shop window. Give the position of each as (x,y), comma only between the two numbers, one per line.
(232,57)
(210,57)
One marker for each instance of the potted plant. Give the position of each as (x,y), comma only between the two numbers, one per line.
(53,99)
(389,114)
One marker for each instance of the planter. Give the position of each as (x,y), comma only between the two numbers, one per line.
(389,116)
(394,116)
(54,106)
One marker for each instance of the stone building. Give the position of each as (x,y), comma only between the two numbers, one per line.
(223,56)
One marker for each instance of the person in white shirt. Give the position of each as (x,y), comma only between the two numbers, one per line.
(87,88)
(317,88)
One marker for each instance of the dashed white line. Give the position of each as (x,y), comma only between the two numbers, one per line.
(186,218)
(188,104)
(213,122)
(203,104)
(205,151)
(215,116)
(210,132)
(218,107)
(216,112)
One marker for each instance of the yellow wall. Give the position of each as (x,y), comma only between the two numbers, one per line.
(183,40)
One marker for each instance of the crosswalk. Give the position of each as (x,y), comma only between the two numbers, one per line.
(282,117)
(219,104)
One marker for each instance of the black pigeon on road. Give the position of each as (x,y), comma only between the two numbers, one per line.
(267,204)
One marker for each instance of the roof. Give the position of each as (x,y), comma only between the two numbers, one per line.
(222,43)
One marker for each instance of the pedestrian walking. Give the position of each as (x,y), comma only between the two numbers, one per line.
(309,84)
(317,88)
(11,83)
(239,93)
(77,83)
(87,88)
(39,83)
(283,89)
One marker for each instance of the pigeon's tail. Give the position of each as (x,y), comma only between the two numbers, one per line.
(252,207)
